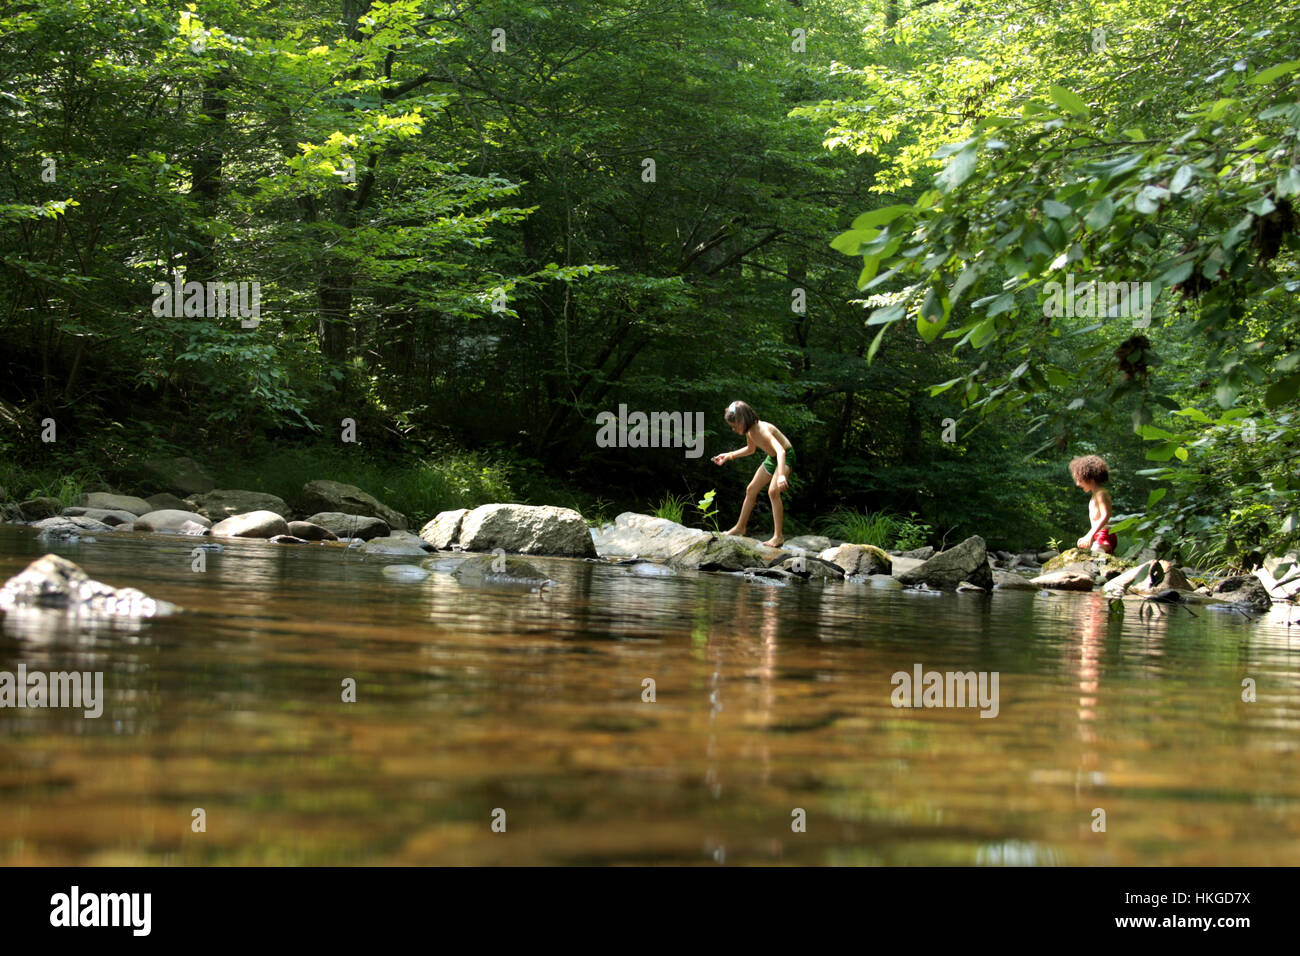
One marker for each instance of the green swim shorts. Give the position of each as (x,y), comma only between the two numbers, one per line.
(769,463)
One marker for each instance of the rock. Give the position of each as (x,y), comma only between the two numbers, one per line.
(967,561)
(192,528)
(311,532)
(719,553)
(404,572)
(1100,566)
(1064,581)
(34,509)
(444,530)
(170,521)
(1154,575)
(499,570)
(645,536)
(966,587)
(1044,556)
(75,524)
(392,544)
(1242,589)
(350,500)
(816,543)
(286,539)
(1010,581)
(527,529)
(920,554)
(107,502)
(900,565)
(55,582)
(810,568)
(254,524)
(111,518)
(859,559)
(179,476)
(343,525)
(217,505)
(163,501)
(410,537)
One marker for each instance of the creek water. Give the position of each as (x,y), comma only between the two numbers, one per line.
(769,700)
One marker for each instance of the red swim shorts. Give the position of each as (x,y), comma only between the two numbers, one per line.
(1106,539)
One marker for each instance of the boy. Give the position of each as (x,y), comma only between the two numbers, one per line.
(1090,473)
(774,472)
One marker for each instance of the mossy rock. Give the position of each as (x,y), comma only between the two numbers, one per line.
(1105,566)
(720,553)
(492,570)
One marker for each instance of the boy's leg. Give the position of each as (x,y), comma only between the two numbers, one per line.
(756,483)
(778,511)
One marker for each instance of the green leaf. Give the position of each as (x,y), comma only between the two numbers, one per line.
(850,242)
(1273,72)
(880,217)
(1057,210)
(1069,101)
(1100,215)
(957,171)
(1157,495)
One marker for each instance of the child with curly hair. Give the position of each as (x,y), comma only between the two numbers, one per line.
(1090,473)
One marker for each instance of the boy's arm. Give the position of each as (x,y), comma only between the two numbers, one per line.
(745,452)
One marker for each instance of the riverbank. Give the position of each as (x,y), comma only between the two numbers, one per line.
(333,513)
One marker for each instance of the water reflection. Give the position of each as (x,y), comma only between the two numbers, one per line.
(769,698)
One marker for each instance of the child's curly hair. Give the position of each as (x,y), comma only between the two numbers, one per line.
(1090,468)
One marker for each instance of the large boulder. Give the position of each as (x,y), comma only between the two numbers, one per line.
(113,518)
(1243,589)
(854,559)
(216,505)
(816,543)
(968,561)
(42,506)
(106,502)
(1149,577)
(644,536)
(1064,581)
(444,530)
(170,521)
(311,532)
(527,529)
(165,501)
(483,570)
(721,553)
(342,525)
(255,524)
(1101,566)
(395,544)
(55,582)
(1010,581)
(180,476)
(349,500)
(810,568)
(70,525)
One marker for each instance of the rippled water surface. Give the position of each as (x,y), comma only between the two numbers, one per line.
(768,700)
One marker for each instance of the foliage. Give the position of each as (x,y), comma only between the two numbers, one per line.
(671,508)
